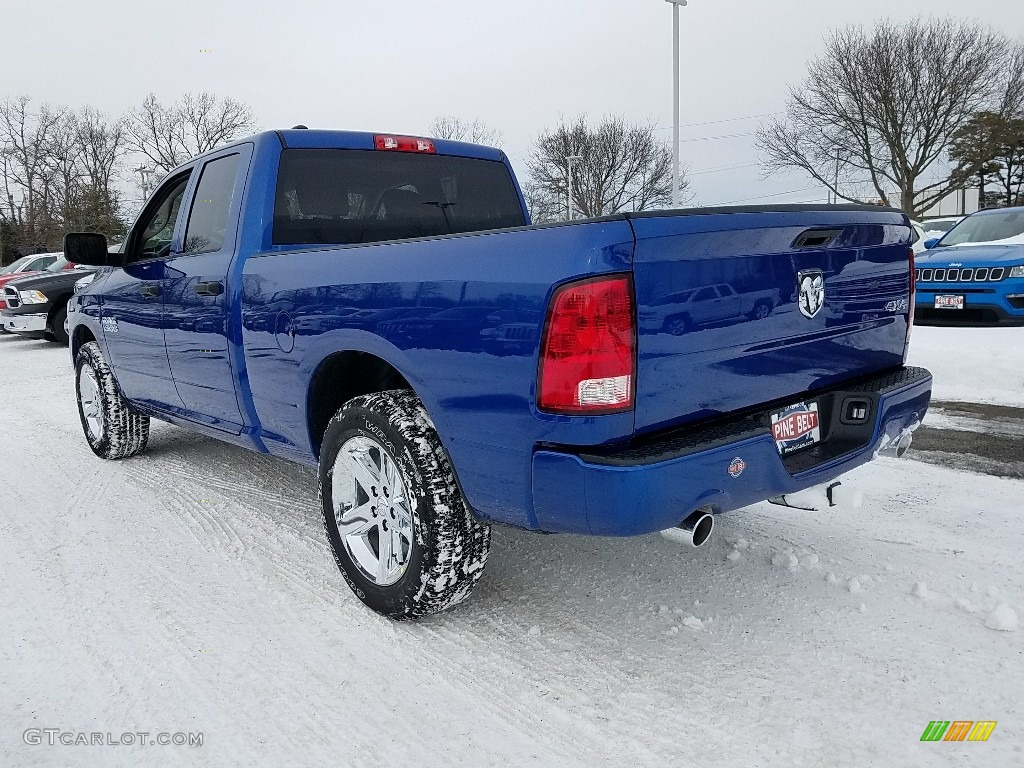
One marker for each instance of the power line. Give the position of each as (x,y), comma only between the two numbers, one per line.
(716,138)
(720,169)
(764,197)
(726,120)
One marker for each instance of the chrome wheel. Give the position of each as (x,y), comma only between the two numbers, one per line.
(372,509)
(90,399)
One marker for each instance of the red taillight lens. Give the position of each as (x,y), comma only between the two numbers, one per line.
(587,356)
(404,144)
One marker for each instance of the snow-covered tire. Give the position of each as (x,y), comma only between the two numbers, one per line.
(441,544)
(112,428)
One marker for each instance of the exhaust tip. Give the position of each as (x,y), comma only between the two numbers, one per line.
(699,526)
(904,445)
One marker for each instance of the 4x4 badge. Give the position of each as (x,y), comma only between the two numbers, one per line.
(811,291)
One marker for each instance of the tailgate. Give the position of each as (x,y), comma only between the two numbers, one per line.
(742,307)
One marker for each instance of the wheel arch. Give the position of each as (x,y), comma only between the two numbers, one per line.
(79,336)
(339,377)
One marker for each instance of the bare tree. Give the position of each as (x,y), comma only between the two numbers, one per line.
(169,135)
(879,109)
(103,147)
(25,141)
(1012,103)
(457,129)
(58,172)
(621,167)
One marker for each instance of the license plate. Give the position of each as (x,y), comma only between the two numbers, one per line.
(945,301)
(796,427)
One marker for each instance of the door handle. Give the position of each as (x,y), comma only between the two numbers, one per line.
(212,288)
(150,291)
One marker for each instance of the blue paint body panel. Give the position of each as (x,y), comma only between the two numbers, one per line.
(460,317)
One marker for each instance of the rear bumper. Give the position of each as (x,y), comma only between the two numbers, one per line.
(655,486)
(24,323)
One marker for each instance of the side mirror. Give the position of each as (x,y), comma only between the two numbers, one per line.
(931,242)
(87,248)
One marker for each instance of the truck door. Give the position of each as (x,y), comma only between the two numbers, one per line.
(704,305)
(132,302)
(197,317)
(731,303)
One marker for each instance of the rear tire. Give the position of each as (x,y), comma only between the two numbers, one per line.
(402,534)
(112,428)
(761,310)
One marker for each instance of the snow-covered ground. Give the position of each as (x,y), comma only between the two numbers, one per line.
(974,365)
(190,590)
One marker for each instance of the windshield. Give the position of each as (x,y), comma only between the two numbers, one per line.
(58,265)
(984,228)
(12,268)
(939,225)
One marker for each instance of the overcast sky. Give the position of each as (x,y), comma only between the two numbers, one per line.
(393,66)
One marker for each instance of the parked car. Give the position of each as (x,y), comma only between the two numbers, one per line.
(34,263)
(939,226)
(919,235)
(26,265)
(975,274)
(991,226)
(591,424)
(37,304)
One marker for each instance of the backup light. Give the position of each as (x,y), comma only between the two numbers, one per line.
(404,144)
(588,361)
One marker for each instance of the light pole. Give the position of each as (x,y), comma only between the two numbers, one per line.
(144,174)
(675,99)
(569,160)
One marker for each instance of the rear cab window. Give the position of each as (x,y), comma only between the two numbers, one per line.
(349,196)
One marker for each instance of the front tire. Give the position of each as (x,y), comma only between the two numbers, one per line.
(112,429)
(57,332)
(403,536)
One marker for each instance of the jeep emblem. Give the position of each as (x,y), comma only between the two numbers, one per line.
(811,291)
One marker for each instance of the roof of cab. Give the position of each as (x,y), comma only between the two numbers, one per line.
(306,138)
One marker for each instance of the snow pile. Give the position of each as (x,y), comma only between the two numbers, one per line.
(957,357)
(1003,618)
(693,622)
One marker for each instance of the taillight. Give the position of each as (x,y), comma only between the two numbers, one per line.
(404,144)
(587,355)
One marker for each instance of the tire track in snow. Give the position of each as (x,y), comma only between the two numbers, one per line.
(430,647)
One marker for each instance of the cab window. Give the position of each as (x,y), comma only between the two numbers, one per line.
(157,225)
(208,219)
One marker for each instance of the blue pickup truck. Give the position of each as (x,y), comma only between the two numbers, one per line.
(379,306)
